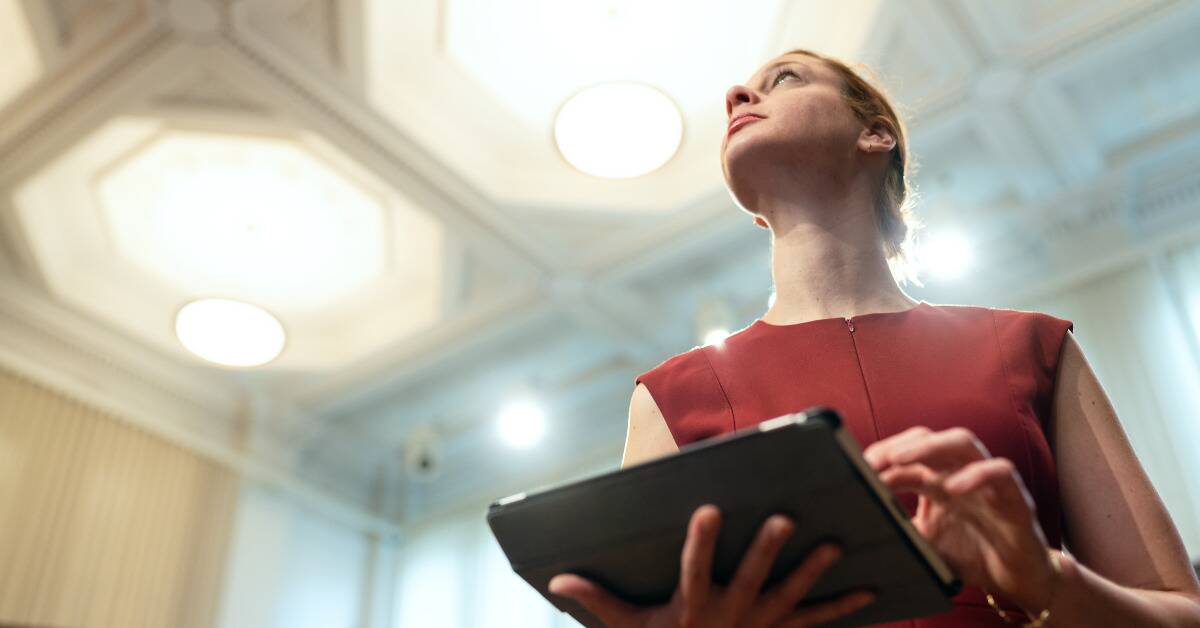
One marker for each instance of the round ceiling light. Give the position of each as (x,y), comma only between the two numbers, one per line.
(946,255)
(618,130)
(228,332)
(522,424)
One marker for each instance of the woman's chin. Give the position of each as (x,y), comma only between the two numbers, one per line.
(745,152)
(743,170)
(741,191)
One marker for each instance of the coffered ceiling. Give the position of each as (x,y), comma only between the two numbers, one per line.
(382,176)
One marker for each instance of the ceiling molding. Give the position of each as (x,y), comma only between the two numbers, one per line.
(402,161)
(65,85)
(49,328)
(306,36)
(460,338)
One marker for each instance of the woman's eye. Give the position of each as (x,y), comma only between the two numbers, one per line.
(779,77)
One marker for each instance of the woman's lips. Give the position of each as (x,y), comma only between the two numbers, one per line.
(741,122)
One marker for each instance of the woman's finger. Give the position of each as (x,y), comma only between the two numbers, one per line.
(695,566)
(756,563)
(784,597)
(984,488)
(947,450)
(877,453)
(612,610)
(988,493)
(827,611)
(996,486)
(998,474)
(915,478)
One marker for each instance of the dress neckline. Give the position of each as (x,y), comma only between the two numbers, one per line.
(761,324)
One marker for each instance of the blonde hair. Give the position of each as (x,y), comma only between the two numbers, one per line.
(894,205)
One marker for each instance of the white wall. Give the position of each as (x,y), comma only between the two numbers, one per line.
(453,575)
(288,567)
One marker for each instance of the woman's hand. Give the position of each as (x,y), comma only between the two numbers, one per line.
(973,508)
(699,602)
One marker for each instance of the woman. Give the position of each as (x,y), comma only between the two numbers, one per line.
(989,424)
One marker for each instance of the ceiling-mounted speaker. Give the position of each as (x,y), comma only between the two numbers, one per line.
(423,454)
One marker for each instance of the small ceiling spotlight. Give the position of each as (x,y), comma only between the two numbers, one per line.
(618,130)
(716,336)
(946,255)
(521,424)
(714,319)
(230,333)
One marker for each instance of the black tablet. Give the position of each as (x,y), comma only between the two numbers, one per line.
(625,529)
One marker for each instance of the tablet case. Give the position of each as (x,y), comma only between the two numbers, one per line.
(625,529)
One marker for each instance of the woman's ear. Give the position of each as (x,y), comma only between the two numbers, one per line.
(877,137)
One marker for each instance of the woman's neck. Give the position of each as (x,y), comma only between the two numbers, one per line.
(830,267)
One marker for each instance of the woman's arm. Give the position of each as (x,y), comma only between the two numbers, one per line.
(648,436)
(1137,571)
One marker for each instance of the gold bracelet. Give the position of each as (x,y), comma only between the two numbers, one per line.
(1034,622)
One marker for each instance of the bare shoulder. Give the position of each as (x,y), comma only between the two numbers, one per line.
(648,436)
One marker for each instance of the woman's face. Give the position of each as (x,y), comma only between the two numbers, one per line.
(789,118)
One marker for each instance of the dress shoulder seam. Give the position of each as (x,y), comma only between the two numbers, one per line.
(721,387)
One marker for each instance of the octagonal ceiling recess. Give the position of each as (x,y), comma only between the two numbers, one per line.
(477,83)
(144,215)
(668,44)
(255,217)
(492,75)
(22,65)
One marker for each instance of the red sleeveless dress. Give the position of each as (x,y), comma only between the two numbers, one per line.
(989,370)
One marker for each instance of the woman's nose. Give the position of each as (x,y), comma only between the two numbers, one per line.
(738,94)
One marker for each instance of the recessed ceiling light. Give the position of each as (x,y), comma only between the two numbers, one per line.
(522,424)
(946,255)
(228,332)
(716,336)
(618,130)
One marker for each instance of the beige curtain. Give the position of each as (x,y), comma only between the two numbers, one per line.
(102,524)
